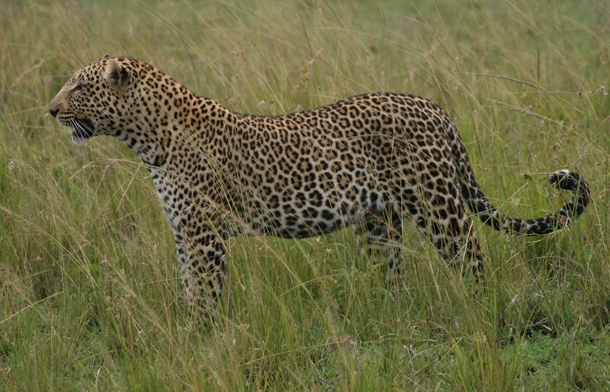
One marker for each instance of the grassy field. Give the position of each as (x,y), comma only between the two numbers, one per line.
(90,297)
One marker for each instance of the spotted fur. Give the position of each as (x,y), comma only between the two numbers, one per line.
(371,161)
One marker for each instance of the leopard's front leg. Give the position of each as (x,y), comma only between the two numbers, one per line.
(197,227)
(202,268)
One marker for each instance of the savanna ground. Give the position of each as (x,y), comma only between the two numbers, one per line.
(89,292)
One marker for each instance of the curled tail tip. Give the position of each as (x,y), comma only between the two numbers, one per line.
(569,180)
(565,179)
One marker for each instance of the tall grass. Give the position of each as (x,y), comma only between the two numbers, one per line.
(89,292)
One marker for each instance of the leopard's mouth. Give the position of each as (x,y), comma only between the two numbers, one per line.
(82,130)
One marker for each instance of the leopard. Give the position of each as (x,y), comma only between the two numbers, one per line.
(370,162)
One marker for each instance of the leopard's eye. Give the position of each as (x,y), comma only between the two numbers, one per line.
(78,87)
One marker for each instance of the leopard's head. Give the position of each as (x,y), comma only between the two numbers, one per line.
(97,99)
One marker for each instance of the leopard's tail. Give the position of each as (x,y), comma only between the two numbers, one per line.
(478,203)
(562,179)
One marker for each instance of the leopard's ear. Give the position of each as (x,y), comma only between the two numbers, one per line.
(116,75)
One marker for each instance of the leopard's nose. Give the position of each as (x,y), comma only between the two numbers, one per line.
(54,112)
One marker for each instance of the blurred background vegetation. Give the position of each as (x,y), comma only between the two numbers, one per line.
(89,293)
